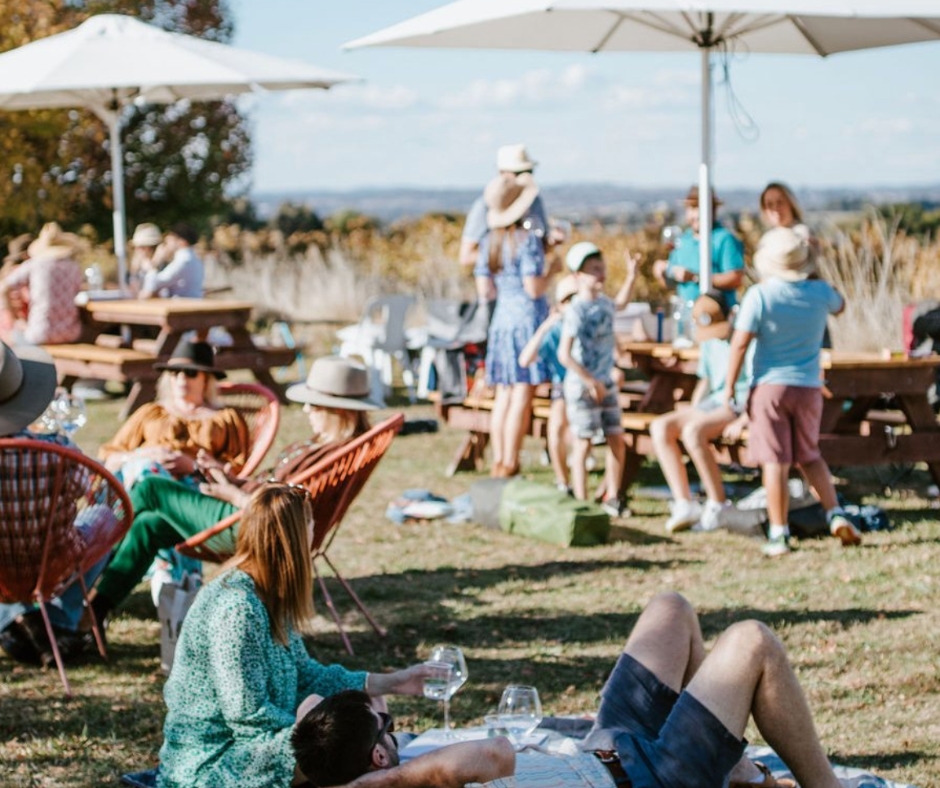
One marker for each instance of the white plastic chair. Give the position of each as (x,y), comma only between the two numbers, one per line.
(378,338)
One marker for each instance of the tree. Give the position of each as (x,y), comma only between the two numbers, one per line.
(181,161)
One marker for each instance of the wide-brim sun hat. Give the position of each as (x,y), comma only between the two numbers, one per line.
(147,234)
(514,158)
(580,252)
(53,242)
(334,382)
(508,198)
(783,253)
(27,385)
(710,316)
(193,356)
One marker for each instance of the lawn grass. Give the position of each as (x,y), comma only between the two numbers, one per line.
(862,624)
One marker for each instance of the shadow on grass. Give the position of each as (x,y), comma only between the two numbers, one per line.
(879,762)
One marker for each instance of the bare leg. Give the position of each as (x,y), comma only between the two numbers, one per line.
(558,440)
(664,432)
(775,475)
(699,431)
(748,673)
(613,470)
(579,455)
(820,479)
(497,424)
(517,423)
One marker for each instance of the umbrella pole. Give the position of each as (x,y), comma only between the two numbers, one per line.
(117,190)
(705,207)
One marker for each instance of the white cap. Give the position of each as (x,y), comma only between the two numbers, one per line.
(578,253)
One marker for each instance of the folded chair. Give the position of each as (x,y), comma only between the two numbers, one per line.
(261,411)
(60,513)
(334,482)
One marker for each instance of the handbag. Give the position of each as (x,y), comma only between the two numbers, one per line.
(172,606)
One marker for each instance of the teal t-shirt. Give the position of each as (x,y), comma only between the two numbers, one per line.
(727,255)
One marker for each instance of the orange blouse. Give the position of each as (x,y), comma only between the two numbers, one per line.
(224,434)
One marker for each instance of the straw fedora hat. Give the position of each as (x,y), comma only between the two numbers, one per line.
(783,253)
(508,198)
(195,356)
(514,158)
(334,382)
(55,243)
(147,234)
(27,383)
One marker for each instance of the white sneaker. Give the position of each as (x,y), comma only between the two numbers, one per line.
(713,514)
(683,515)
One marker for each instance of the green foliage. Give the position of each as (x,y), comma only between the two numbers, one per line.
(296,218)
(180,162)
(915,218)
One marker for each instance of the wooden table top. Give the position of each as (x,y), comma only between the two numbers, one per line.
(154,307)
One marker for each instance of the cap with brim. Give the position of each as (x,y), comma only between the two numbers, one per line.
(783,253)
(27,384)
(508,199)
(334,382)
(580,252)
(566,288)
(710,316)
(195,356)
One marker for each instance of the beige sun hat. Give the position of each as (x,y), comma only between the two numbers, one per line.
(783,253)
(27,384)
(508,198)
(55,243)
(147,234)
(514,158)
(334,382)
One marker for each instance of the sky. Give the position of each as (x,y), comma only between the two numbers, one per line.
(434,118)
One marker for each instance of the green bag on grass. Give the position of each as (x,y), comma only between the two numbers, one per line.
(549,515)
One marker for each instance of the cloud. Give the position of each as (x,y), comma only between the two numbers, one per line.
(538,87)
(881,127)
(352,96)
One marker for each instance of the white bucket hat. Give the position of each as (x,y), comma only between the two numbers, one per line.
(783,253)
(334,382)
(514,158)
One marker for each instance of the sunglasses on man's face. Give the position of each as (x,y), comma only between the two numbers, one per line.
(386,725)
(189,373)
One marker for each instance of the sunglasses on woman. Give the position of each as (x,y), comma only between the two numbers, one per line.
(189,373)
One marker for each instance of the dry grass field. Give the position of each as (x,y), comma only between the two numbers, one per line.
(863,625)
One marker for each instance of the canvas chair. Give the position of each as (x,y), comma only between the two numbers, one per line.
(46,491)
(261,411)
(333,482)
(378,338)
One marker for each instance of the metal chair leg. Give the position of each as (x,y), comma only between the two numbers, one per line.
(379,629)
(332,608)
(55,648)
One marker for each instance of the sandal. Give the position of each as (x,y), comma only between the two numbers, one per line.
(769,780)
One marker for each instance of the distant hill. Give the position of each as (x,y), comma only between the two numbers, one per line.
(578,201)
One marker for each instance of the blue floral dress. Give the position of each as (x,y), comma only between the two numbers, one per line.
(517,315)
(233,693)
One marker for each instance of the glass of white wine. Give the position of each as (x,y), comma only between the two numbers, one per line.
(70,412)
(520,711)
(448,674)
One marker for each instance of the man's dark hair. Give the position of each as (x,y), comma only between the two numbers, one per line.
(185,231)
(333,743)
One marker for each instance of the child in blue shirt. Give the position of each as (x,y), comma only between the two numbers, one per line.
(786,313)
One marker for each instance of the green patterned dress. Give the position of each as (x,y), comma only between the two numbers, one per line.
(233,693)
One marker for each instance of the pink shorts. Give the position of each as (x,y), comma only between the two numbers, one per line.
(784,424)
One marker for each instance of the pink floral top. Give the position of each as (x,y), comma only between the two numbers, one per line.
(53,285)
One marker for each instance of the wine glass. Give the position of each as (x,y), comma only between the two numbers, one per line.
(70,412)
(520,711)
(448,674)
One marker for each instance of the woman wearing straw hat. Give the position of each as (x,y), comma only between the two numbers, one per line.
(513,259)
(166,512)
(54,279)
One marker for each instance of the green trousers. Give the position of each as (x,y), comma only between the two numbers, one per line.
(165,513)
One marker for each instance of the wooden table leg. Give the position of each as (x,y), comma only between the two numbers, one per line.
(921,418)
(141,392)
(469,455)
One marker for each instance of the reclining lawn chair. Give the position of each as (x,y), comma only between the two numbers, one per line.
(60,513)
(334,482)
(261,411)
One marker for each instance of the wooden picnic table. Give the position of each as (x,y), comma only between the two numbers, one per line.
(857,388)
(174,317)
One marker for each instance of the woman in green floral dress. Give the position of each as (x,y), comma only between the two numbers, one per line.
(241,673)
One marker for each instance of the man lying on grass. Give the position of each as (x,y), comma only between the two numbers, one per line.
(669,715)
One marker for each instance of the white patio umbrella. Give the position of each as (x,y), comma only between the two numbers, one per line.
(111,60)
(815,27)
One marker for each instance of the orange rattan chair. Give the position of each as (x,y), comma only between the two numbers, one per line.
(45,491)
(261,411)
(334,482)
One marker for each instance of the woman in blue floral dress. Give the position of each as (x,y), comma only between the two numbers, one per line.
(241,673)
(514,259)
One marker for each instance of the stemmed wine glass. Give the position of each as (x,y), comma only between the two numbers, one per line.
(520,711)
(69,410)
(448,674)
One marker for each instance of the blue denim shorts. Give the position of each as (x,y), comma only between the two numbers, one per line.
(587,416)
(664,739)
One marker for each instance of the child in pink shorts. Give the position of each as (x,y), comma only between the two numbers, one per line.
(786,313)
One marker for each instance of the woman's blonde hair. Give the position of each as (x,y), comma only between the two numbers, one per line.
(497,238)
(341,424)
(273,547)
(788,195)
(165,388)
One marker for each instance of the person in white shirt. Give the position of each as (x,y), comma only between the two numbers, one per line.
(183,276)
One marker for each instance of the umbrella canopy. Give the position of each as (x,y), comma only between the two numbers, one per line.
(111,60)
(816,27)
